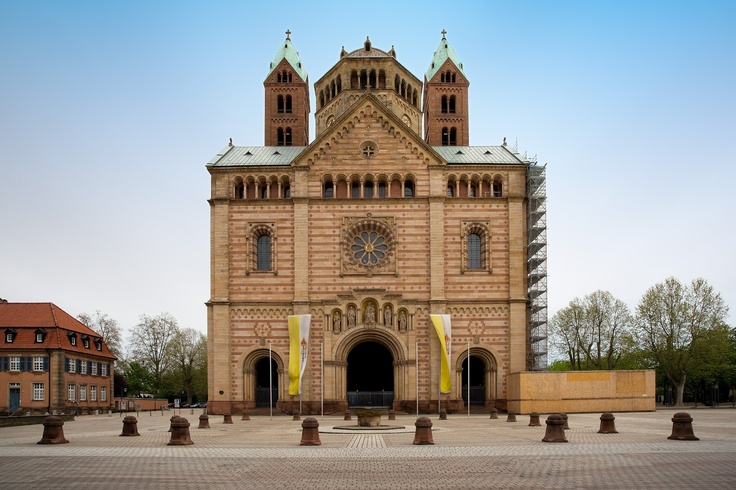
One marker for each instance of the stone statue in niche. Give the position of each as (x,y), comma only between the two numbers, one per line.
(370,314)
(402,322)
(387,318)
(351,316)
(336,323)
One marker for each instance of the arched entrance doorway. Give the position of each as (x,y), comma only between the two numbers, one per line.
(474,389)
(265,378)
(370,375)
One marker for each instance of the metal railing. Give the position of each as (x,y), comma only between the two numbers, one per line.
(370,398)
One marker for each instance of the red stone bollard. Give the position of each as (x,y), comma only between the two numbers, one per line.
(310,432)
(391,415)
(555,431)
(296,415)
(53,431)
(423,432)
(204,421)
(443,414)
(348,416)
(608,424)
(494,413)
(534,420)
(227,418)
(180,432)
(130,426)
(246,415)
(511,416)
(171,421)
(682,427)
(564,418)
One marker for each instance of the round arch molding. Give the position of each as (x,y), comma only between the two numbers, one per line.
(402,386)
(249,383)
(490,375)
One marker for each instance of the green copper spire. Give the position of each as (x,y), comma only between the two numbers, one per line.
(443,52)
(290,54)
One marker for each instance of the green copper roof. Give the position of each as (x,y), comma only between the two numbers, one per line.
(290,54)
(443,52)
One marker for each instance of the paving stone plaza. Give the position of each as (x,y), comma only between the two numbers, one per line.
(468,452)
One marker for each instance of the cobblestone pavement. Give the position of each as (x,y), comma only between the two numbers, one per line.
(468,452)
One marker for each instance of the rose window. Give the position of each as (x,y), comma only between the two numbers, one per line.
(369,248)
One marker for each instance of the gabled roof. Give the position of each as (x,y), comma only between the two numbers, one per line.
(288,53)
(443,53)
(479,155)
(27,318)
(254,156)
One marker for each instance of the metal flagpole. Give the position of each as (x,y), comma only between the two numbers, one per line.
(439,384)
(416,367)
(270,381)
(322,378)
(469,398)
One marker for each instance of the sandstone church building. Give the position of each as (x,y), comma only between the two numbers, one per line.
(387,216)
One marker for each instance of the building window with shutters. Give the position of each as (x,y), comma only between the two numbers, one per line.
(82,393)
(15,363)
(39,363)
(103,393)
(72,392)
(83,367)
(39,393)
(94,369)
(93,393)
(71,366)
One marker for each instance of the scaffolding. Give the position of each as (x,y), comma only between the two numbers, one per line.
(536,191)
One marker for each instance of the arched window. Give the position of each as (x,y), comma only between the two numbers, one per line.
(476,247)
(329,190)
(381,189)
(368,189)
(445,137)
(239,192)
(452,104)
(450,190)
(408,188)
(264,191)
(355,189)
(280,136)
(445,106)
(497,188)
(287,107)
(287,137)
(263,253)
(287,191)
(453,136)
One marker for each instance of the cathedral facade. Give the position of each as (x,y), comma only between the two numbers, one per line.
(388,216)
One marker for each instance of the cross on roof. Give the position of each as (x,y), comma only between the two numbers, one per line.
(288,33)
(443,33)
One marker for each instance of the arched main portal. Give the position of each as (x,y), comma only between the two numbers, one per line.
(266,378)
(476,385)
(370,375)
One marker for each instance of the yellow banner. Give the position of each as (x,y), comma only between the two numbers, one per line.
(298,343)
(444,333)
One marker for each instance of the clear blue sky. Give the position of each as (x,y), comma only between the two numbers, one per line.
(110,110)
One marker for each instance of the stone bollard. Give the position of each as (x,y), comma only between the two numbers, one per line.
(310,432)
(494,413)
(443,414)
(423,432)
(246,415)
(534,420)
(180,432)
(682,427)
(391,415)
(564,418)
(296,415)
(130,426)
(511,416)
(608,424)
(204,421)
(53,431)
(348,416)
(227,418)
(171,421)
(555,431)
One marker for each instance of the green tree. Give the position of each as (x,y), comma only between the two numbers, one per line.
(674,323)
(138,379)
(186,358)
(149,342)
(593,333)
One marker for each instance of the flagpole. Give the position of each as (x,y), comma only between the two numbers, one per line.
(416,368)
(439,384)
(270,381)
(322,378)
(469,379)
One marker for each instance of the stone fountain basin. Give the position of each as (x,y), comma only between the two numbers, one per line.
(369,416)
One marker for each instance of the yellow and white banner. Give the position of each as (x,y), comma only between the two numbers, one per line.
(298,344)
(444,332)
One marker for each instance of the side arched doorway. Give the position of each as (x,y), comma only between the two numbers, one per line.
(474,381)
(370,375)
(267,382)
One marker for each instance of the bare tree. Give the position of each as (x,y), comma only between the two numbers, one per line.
(107,327)
(672,324)
(149,341)
(564,332)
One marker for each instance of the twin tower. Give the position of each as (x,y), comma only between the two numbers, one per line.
(439,104)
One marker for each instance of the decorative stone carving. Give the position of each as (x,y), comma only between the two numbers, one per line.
(336,323)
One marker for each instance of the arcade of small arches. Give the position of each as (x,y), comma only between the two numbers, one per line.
(369,313)
(284,77)
(366,186)
(368,79)
(447,77)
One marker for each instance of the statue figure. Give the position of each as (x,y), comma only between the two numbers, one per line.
(336,323)
(402,322)
(370,314)
(387,316)
(351,316)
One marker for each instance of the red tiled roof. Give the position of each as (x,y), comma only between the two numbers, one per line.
(26,318)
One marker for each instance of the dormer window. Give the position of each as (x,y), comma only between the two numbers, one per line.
(10,335)
(98,344)
(85,341)
(72,338)
(40,336)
